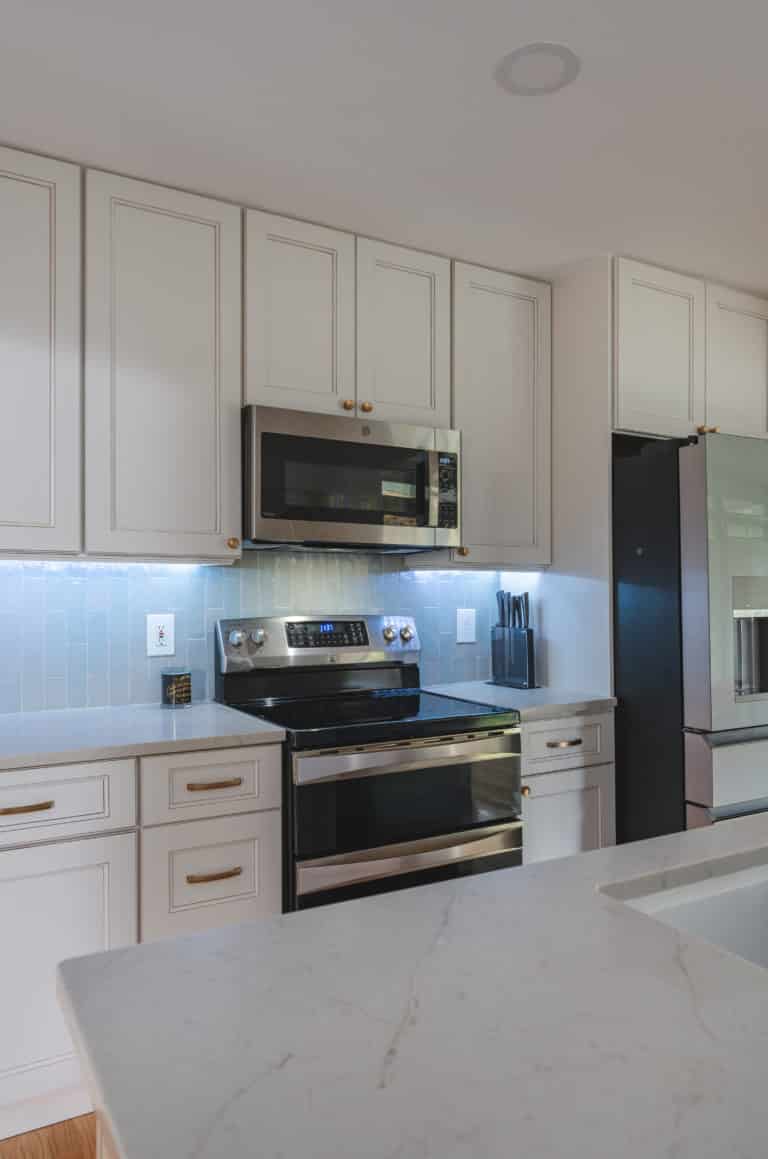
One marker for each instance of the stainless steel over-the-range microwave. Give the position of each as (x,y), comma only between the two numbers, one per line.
(318,480)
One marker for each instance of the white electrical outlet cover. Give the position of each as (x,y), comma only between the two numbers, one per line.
(466,627)
(161,634)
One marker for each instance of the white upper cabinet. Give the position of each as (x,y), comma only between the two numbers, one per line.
(40,358)
(163,372)
(737,362)
(300,315)
(502,406)
(660,350)
(403,335)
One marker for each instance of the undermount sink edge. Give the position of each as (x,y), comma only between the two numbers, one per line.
(723,900)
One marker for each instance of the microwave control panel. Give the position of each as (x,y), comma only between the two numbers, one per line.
(448,490)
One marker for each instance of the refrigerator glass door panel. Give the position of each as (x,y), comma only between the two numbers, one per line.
(736,555)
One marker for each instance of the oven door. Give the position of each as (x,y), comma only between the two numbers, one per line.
(321,479)
(387,817)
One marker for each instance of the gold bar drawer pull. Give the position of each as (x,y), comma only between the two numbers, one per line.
(565,744)
(207,786)
(38,807)
(204,878)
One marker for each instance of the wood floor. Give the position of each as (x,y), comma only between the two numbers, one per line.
(74,1139)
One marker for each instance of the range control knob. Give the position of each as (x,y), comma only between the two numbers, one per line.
(406,634)
(389,633)
(258,636)
(237,637)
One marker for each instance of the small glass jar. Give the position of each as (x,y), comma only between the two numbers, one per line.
(177,687)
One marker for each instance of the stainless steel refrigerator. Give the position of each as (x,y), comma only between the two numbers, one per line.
(690,631)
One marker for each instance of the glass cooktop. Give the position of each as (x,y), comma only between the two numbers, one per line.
(390,714)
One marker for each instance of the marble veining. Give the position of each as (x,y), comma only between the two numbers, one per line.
(522,1011)
(66,736)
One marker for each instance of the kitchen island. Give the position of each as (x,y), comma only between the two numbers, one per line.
(522,1011)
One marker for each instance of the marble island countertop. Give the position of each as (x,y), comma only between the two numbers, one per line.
(65,736)
(531,703)
(517,1012)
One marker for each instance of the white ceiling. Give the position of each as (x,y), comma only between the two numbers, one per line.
(383,118)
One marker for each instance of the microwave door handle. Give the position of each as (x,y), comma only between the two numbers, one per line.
(433,488)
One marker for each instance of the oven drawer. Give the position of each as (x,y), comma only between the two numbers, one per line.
(202,874)
(48,803)
(569,743)
(392,861)
(192,786)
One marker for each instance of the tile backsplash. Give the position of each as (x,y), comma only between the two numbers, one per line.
(74,634)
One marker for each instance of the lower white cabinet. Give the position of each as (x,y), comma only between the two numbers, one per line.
(56,901)
(567,812)
(200,874)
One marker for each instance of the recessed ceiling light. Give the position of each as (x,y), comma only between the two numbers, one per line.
(536,69)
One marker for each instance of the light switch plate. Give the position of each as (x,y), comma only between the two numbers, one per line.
(161,634)
(466,627)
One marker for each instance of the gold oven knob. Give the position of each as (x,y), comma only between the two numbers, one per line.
(233,543)
(348,404)
(366,407)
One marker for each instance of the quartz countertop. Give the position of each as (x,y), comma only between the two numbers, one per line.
(516,1012)
(531,703)
(65,736)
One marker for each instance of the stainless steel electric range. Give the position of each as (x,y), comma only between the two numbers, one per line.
(385,785)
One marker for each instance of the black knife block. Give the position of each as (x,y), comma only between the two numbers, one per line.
(512,662)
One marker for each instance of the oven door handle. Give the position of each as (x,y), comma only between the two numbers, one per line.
(311,770)
(433,488)
(344,869)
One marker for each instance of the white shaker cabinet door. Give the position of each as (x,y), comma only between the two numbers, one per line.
(737,362)
(163,372)
(299,315)
(403,335)
(40,354)
(568,812)
(502,406)
(56,901)
(660,350)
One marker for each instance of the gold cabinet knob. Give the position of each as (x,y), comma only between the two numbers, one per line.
(714,430)
(526,790)
(702,430)
(366,407)
(462,551)
(348,404)
(233,543)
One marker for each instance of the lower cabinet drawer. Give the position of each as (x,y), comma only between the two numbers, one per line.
(571,743)
(47,803)
(202,874)
(191,786)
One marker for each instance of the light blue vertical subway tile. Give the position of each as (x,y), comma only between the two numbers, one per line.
(56,644)
(198,662)
(77,665)
(98,657)
(10,693)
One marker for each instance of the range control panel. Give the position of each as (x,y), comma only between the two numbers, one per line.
(251,643)
(327,634)
(448,490)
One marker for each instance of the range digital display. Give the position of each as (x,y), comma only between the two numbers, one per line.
(327,634)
